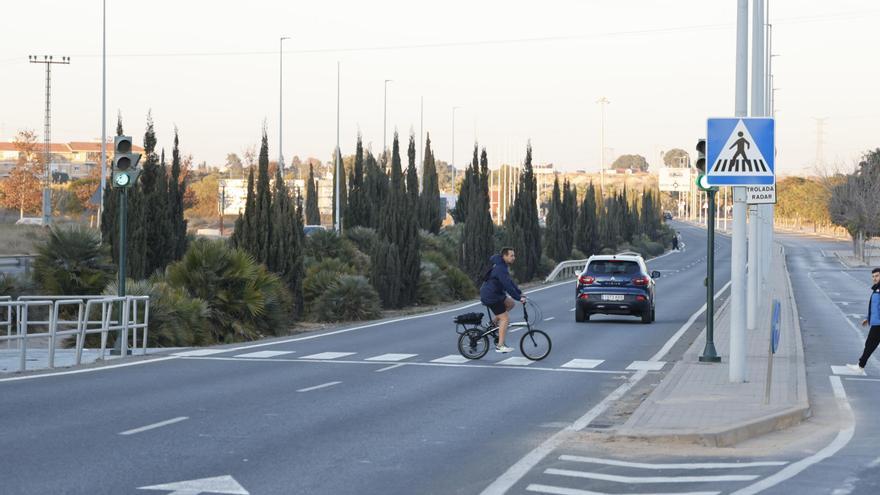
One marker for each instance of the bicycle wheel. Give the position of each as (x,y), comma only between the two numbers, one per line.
(473,345)
(535,345)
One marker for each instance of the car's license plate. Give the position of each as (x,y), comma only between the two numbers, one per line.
(612,297)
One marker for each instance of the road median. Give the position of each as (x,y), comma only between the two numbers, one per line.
(696,403)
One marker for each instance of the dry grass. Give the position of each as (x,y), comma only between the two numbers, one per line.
(20,239)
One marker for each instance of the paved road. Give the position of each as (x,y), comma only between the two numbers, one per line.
(387,408)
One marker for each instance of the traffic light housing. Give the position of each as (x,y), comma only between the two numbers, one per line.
(702,180)
(125,163)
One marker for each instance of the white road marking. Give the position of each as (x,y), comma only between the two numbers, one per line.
(572,309)
(452,358)
(874,463)
(155,425)
(843,437)
(87,370)
(584,364)
(646,365)
(843,370)
(550,318)
(516,361)
(635,480)
(219,484)
(560,490)
(515,472)
(327,355)
(863,379)
(264,354)
(398,365)
(391,357)
(201,352)
(682,466)
(316,387)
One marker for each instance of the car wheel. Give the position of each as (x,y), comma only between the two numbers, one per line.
(646,316)
(653,314)
(580,314)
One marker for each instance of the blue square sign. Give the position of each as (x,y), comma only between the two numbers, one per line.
(740,151)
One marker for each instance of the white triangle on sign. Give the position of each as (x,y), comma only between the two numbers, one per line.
(219,484)
(740,156)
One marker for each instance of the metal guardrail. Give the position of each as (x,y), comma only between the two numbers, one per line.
(135,316)
(23,260)
(566,269)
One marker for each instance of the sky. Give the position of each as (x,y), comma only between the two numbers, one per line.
(520,71)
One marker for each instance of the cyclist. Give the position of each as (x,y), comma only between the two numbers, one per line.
(498,292)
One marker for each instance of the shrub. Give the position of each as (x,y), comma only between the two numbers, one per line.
(577,254)
(362,237)
(323,244)
(546,266)
(176,319)
(15,286)
(349,297)
(320,276)
(433,286)
(244,300)
(460,285)
(72,261)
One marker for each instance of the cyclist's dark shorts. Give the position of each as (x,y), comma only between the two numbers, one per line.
(498,308)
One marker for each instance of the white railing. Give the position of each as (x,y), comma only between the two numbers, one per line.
(135,316)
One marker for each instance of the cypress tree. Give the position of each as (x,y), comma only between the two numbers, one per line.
(356,215)
(244,235)
(296,253)
(522,223)
(263,204)
(569,207)
(412,176)
(313,215)
(376,187)
(343,191)
(430,216)
(176,190)
(398,228)
(587,228)
(478,238)
(153,184)
(554,237)
(385,274)
(468,189)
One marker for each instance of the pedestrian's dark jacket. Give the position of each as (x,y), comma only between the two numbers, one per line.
(497,282)
(874,306)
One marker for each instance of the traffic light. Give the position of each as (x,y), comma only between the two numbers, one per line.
(125,171)
(702,180)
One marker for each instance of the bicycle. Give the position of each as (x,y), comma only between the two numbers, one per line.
(473,340)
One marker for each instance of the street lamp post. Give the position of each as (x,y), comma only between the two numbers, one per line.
(280,99)
(103,165)
(385,118)
(452,160)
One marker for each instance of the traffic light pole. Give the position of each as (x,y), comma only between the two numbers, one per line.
(120,284)
(710,355)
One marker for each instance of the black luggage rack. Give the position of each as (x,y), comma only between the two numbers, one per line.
(467,321)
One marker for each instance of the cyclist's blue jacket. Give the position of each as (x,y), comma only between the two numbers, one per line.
(497,282)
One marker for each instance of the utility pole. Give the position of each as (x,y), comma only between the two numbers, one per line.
(602,102)
(452,160)
(737,371)
(280,99)
(385,119)
(48,61)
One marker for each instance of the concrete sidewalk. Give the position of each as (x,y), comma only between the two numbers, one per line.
(696,403)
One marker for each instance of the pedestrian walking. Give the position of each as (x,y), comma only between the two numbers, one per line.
(873,320)
(675,242)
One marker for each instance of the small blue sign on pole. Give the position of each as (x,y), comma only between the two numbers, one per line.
(740,151)
(774,325)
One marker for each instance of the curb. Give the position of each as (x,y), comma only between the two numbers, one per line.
(733,434)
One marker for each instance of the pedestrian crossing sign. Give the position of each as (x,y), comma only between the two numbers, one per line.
(740,152)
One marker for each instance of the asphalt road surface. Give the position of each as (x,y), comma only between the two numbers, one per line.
(387,407)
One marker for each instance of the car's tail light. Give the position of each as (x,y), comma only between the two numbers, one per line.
(641,298)
(586,280)
(640,281)
(584,296)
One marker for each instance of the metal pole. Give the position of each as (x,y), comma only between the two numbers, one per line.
(120,346)
(102,166)
(338,157)
(710,355)
(385,118)
(756,229)
(280,100)
(737,372)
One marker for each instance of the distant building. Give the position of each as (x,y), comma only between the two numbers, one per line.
(234,191)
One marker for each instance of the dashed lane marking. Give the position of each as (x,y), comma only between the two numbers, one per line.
(391,357)
(155,425)
(516,361)
(398,365)
(584,364)
(682,466)
(638,480)
(201,352)
(317,387)
(451,359)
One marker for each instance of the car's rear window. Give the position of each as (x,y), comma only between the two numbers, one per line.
(613,267)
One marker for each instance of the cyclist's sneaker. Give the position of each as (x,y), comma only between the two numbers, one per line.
(503,349)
